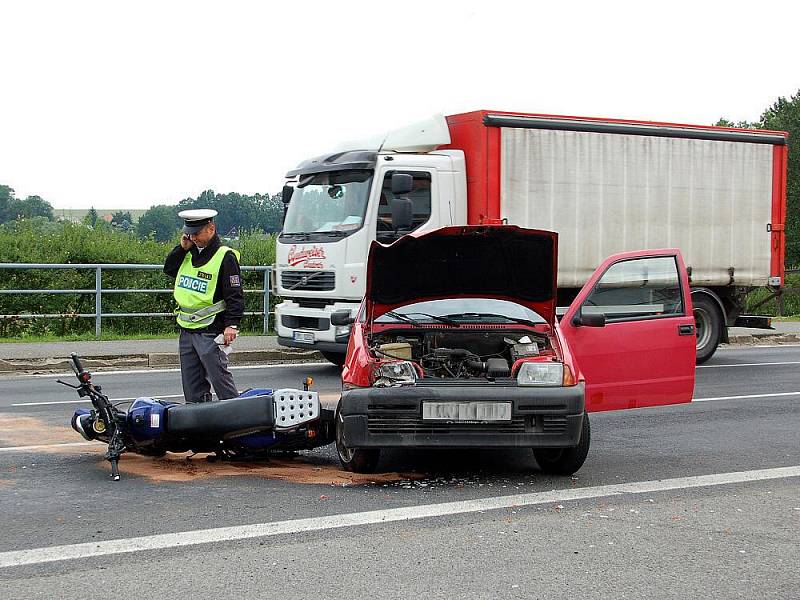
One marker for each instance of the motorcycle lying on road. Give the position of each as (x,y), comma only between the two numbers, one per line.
(253,425)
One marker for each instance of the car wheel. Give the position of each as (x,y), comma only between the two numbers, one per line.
(336,358)
(565,461)
(707,325)
(357,460)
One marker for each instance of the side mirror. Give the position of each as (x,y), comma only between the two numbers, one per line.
(341,317)
(286,197)
(589,320)
(402,183)
(402,213)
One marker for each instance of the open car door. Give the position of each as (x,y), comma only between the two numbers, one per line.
(631,332)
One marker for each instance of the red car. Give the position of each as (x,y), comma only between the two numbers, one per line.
(457,345)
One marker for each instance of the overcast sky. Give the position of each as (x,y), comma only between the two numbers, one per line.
(126,105)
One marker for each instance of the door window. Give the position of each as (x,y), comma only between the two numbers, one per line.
(420,198)
(641,288)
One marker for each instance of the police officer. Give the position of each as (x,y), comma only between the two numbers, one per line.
(208,291)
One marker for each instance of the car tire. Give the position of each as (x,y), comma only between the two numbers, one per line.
(356,460)
(565,461)
(336,358)
(707,325)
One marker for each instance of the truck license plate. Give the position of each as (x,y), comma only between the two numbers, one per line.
(303,336)
(466,411)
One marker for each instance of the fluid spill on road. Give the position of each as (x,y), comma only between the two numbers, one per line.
(300,469)
(27,431)
(303,469)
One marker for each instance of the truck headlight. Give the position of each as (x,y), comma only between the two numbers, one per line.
(401,372)
(341,330)
(541,373)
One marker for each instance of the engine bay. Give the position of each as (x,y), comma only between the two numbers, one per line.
(453,354)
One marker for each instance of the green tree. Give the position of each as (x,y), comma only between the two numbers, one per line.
(122,220)
(91,217)
(160,221)
(239,213)
(35,206)
(7,202)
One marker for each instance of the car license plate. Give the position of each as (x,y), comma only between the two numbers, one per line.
(466,411)
(303,336)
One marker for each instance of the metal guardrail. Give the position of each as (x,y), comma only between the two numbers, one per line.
(98,291)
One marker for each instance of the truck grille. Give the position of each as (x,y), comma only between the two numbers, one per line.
(415,425)
(316,281)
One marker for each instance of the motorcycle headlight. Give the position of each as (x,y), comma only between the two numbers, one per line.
(541,373)
(401,372)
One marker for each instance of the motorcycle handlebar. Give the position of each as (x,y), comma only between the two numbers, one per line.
(77,362)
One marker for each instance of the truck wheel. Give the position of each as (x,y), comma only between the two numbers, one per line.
(356,460)
(565,461)
(334,357)
(707,325)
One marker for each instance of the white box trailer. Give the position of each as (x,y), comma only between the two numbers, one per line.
(606,186)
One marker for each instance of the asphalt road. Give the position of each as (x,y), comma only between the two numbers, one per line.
(654,512)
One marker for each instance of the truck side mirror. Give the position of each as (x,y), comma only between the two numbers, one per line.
(402,183)
(286,197)
(402,213)
(589,320)
(341,317)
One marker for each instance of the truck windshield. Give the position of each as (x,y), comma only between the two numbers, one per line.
(333,203)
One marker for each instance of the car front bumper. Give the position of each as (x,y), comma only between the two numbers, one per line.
(392,417)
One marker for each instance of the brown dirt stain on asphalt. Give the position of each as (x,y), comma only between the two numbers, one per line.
(27,431)
(301,469)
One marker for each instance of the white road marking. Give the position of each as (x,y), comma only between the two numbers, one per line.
(749,396)
(34,556)
(328,397)
(45,447)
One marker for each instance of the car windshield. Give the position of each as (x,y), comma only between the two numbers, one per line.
(462,310)
(329,203)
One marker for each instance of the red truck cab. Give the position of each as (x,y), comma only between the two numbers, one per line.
(457,345)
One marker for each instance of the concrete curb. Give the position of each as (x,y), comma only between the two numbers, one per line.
(155,360)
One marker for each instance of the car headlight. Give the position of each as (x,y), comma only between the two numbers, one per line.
(541,373)
(401,372)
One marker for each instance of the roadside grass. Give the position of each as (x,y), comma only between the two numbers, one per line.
(791,300)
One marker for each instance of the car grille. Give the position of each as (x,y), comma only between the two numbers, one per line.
(415,425)
(554,424)
(316,281)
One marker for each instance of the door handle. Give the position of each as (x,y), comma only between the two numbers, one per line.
(685,329)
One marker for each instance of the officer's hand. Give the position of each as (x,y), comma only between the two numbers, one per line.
(186,243)
(229,335)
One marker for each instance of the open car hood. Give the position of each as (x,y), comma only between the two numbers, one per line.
(488,261)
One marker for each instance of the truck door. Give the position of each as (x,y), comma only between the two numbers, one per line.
(644,352)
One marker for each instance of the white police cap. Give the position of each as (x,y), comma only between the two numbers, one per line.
(195,219)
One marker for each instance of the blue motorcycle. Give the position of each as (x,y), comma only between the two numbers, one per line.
(257,423)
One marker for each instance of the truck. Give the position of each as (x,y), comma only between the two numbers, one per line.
(605,186)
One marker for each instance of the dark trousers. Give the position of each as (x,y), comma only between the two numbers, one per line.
(204,364)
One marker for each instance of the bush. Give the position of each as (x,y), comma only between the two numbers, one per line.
(37,242)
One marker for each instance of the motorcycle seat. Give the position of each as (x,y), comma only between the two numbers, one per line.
(220,418)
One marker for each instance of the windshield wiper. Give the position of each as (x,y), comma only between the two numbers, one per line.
(479,315)
(444,320)
(403,318)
